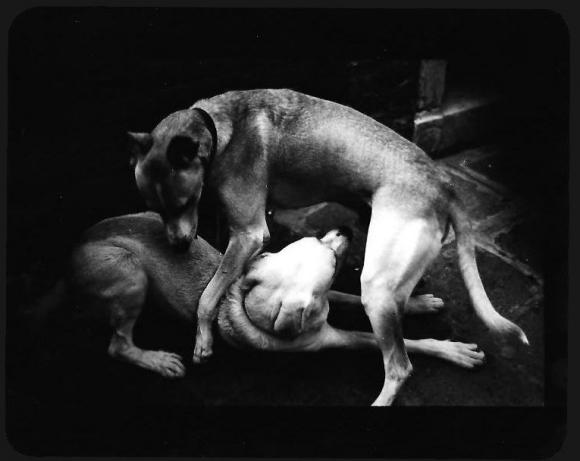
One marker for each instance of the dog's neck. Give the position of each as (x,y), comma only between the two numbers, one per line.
(210,125)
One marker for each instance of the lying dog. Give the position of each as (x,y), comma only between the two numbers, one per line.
(280,304)
(294,150)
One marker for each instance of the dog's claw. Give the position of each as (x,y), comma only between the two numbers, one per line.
(201,356)
(166,364)
(424,304)
(461,354)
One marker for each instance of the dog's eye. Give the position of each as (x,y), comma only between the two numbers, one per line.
(181,151)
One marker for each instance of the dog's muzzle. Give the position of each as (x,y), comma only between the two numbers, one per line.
(180,240)
(182,245)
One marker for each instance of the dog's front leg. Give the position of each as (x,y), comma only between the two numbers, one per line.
(243,193)
(241,247)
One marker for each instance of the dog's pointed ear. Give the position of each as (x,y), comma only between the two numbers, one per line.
(138,144)
(209,146)
(181,152)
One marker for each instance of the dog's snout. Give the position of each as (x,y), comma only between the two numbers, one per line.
(346,231)
(181,231)
(181,244)
(180,239)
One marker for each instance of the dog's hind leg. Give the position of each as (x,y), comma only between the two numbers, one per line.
(462,354)
(399,249)
(329,337)
(420,304)
(111,280)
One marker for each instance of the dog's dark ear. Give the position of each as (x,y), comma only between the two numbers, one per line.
(138,144)
(205,152)
(181,151)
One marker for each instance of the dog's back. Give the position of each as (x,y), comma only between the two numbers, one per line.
(116,249)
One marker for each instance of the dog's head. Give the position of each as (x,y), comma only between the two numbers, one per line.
(170,165)
(314,262)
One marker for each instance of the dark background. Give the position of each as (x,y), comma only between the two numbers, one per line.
(80,78)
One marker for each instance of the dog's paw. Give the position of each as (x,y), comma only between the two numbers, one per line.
(167,364)
(430,303)
(462,354)
(203,348)
(424,304)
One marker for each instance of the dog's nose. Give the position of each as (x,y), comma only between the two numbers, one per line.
(178,241)
(346,231)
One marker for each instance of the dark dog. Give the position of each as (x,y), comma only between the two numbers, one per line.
(281,304)
(296,150)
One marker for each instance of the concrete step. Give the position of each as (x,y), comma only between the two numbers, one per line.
(466,115)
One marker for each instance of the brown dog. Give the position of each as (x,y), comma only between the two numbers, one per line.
(281,304)
(295,150)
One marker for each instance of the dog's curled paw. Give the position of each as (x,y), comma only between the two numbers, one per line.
(424,304)
(431,303)
(167,364)
(462,354)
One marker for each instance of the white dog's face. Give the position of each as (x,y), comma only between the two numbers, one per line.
(287,290)
(311,263)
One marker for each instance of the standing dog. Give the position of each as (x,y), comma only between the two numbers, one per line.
(280,304)
(295,150)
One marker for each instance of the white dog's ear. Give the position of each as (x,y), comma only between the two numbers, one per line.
(138,144)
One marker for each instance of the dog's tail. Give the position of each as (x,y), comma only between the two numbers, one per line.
(497,324)
(237,328)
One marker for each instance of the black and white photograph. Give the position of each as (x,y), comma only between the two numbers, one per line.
(286,232)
